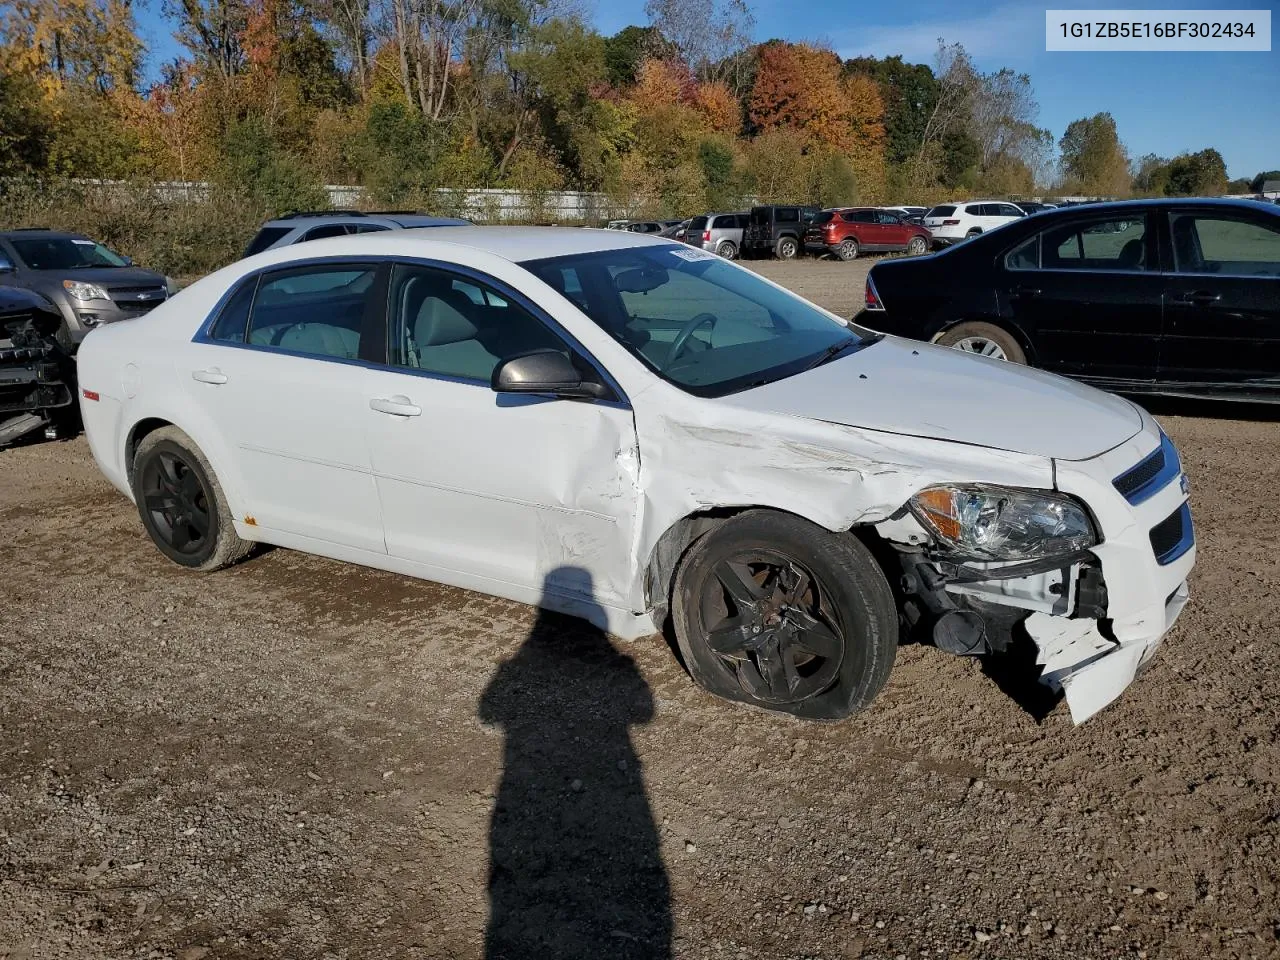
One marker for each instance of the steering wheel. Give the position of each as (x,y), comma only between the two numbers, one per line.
(682,338)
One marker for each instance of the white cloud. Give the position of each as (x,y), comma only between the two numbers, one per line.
(1006,35)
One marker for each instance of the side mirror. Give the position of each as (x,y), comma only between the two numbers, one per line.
(548,371)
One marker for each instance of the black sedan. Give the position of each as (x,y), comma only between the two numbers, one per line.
(1178,297)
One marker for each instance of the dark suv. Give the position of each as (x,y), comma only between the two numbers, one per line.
(777,229)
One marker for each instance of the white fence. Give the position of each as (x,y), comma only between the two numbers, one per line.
(489,206)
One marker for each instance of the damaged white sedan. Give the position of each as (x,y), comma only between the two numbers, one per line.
(625,429)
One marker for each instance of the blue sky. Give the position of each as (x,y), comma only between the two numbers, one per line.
(1164,103)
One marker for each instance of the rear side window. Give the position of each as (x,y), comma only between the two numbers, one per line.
(860,216)
(788,215)
(233,321)
(941,212)
(1215,244)
(317,311)
(265,238)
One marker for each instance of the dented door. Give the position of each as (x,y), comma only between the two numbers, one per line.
(512,488)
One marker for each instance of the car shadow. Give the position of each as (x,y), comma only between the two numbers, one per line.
(575,865)
(1017,674)
(1208,409)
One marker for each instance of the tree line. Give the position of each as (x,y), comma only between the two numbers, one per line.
(272,98)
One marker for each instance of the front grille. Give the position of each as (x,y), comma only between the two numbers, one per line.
(1173,536)
(1150,476)
(137,298)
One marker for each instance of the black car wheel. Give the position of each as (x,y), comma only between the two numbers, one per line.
(848,249)
(786,248)
(181,504)
(777,612)
(917,246)
(984,339)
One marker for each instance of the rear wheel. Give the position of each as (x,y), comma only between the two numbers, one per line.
(181,504)
(777,612)
(973,233)
(727,249)
(984,339)
(917,247)
(786,248)
(848,249)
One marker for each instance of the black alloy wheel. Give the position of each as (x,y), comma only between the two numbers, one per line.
(174,495)
(766,622)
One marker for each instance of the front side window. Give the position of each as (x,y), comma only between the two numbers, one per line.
(1009,210)
(706,326)
(1115,244)
(1203,243)
(317,310)
(443,324)
(64,253)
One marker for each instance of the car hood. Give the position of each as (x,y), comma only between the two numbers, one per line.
(106,277)
(922,390)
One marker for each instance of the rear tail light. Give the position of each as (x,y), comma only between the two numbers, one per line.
(872,297)
(951,223)
(706,236)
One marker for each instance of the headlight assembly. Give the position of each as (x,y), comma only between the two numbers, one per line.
(986,523)
(84,291)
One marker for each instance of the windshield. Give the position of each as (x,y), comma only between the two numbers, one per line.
(707,326)
(64,253)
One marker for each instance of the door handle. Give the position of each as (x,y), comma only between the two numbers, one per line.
(212,375)
(397,406)
(1026,291)
(1199,298)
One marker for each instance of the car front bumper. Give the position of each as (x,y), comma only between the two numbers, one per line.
(1146,554)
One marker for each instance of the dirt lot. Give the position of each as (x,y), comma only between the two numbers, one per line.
(297,758)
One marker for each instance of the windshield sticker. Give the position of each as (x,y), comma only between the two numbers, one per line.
(693,255)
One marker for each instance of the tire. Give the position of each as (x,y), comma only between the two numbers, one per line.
(917,247)
(970,337)
(844,607)
(181,503)
(848,249)
(786,248)
(973,233)
(727,250)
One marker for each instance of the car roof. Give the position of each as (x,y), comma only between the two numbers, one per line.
(517,244)
(44,232)
(1212,203)
(307,220)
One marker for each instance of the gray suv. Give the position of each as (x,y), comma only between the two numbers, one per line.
(303,225)
(88,283)
(720,233)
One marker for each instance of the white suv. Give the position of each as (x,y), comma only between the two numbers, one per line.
(952,222)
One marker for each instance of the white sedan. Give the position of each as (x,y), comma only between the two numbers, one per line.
(625,428)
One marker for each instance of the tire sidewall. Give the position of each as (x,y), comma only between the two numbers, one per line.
(727,250)
(1013,351)
(917,247)
(848,249)
(785,244)
(856,593)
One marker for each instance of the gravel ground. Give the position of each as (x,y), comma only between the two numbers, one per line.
(297,758)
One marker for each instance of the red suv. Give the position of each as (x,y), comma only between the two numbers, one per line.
(854,230)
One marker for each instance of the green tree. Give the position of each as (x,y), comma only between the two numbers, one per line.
(626,50)
(1255,185)
(909,92)
(1094,161)
(1197,174)
(255,168)
(26,127)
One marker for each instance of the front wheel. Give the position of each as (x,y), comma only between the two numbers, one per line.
(777,612)
(787,248)
(984,339)
(181,504)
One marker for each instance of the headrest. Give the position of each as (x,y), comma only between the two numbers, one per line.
(439,323)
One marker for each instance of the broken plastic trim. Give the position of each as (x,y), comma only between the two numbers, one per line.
(960,573)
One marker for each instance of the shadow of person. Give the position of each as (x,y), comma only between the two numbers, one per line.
(575,869)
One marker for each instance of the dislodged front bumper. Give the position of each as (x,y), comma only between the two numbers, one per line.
(1138,495)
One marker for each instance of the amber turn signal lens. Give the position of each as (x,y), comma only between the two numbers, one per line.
(939,505)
